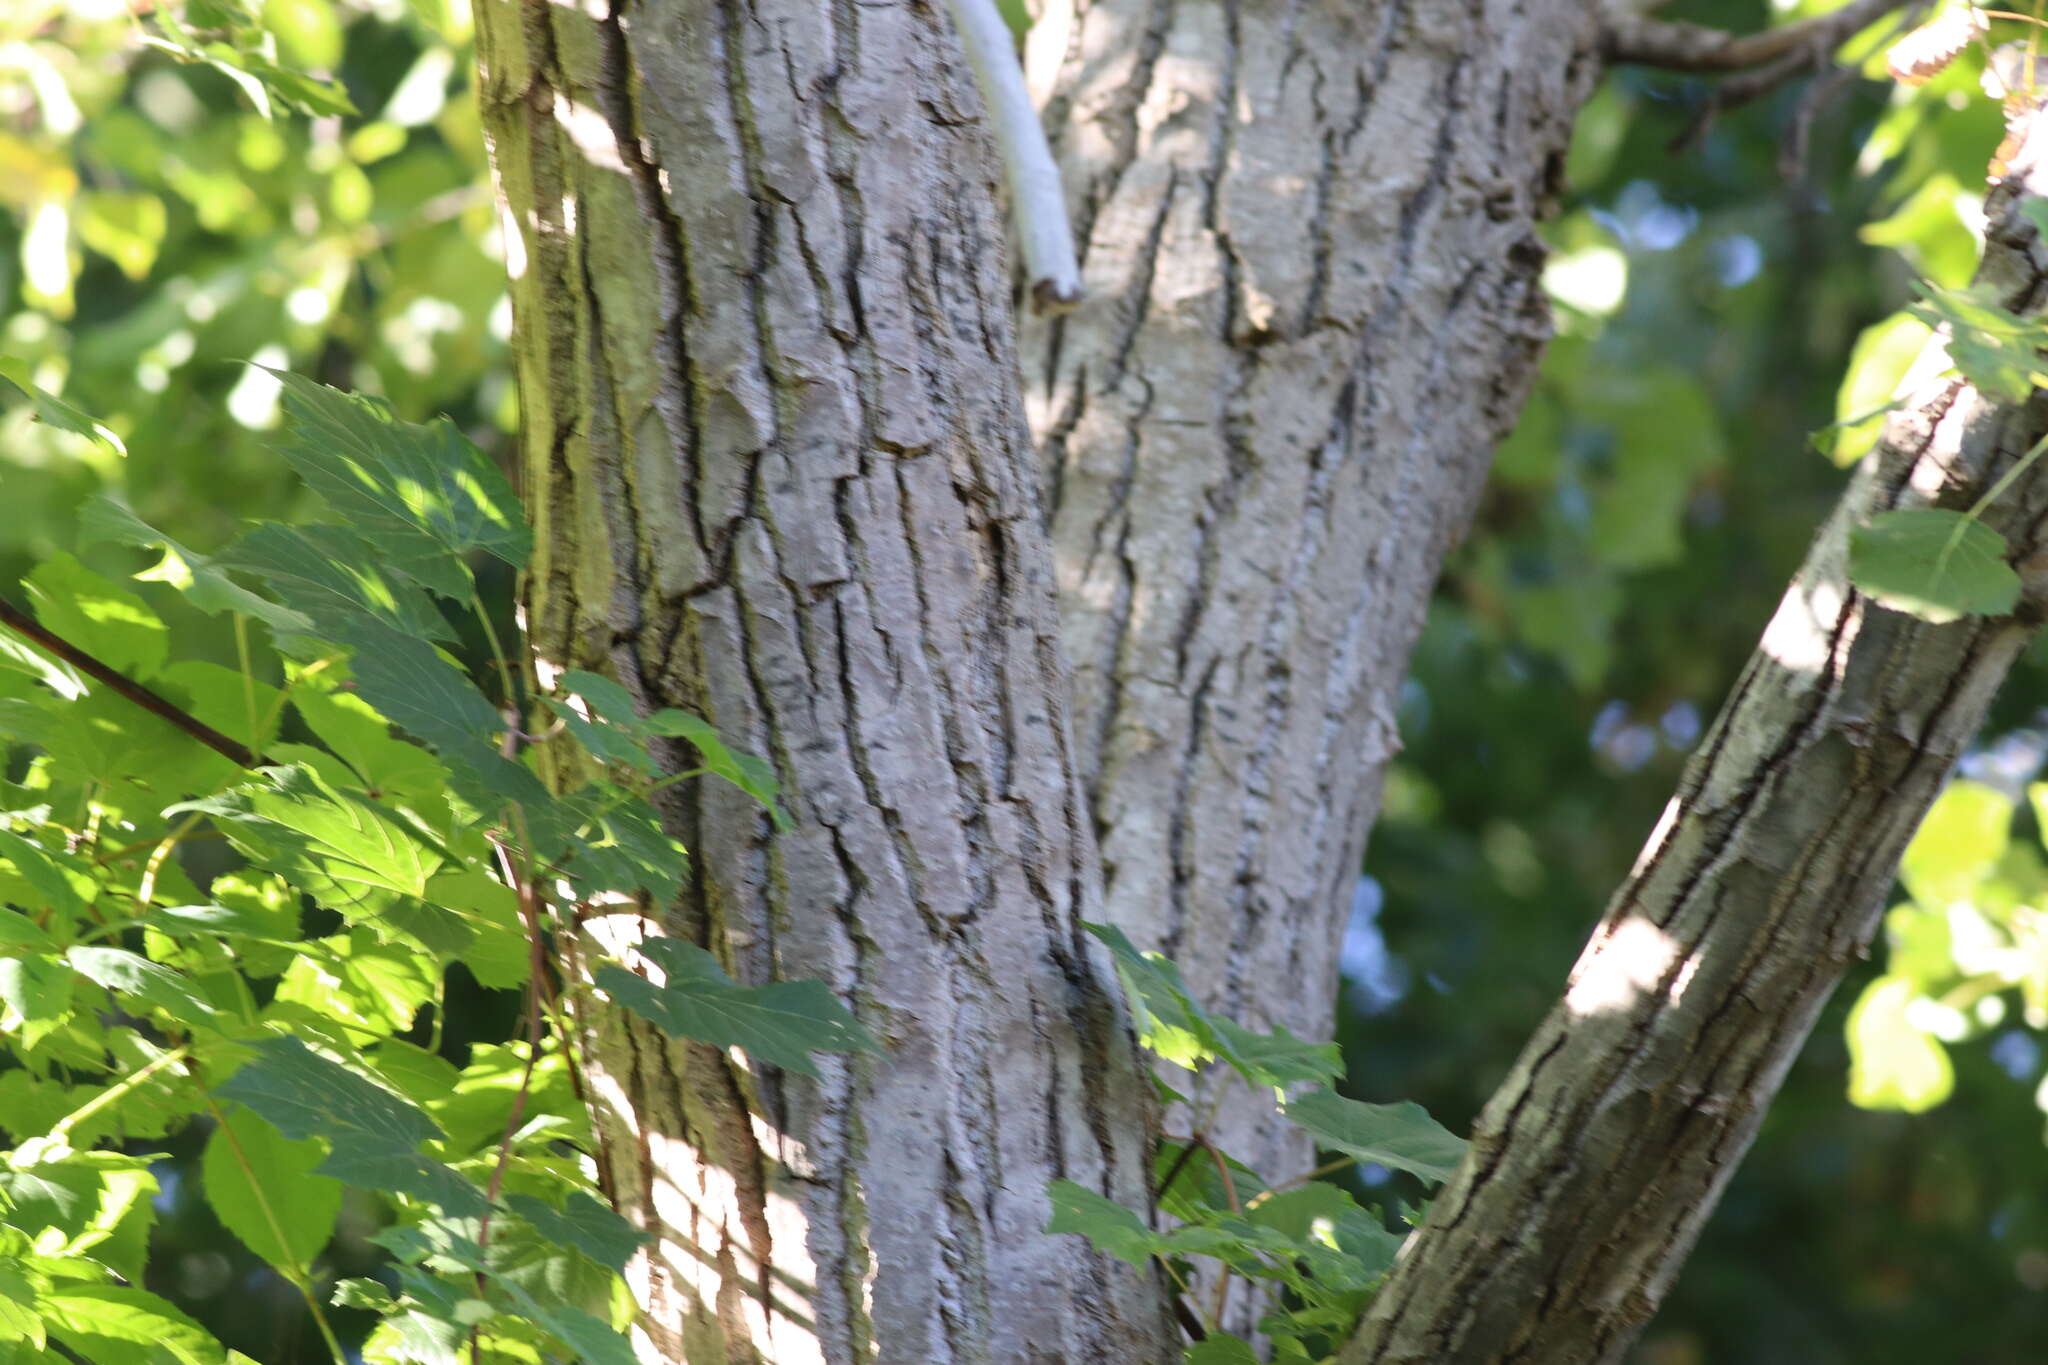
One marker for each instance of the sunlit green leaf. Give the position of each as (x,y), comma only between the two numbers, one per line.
(1960,840)
(262,1187)
(423,494)
(1892,1063)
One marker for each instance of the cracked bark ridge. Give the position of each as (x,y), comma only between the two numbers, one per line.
(1312,309)
(1599,1159)
(780,476)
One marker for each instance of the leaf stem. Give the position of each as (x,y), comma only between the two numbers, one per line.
(114,1093)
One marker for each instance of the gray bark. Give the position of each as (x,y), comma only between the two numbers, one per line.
(1598,1161)
(781,477)
(1309,247)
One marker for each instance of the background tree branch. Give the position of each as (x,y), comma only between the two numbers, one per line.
(1594,1167)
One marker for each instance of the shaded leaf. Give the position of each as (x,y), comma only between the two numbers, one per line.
(781,1024)
(1400,1136)
(1112,1229)
(1933,563)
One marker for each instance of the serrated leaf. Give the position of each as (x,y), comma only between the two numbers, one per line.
(36,992)
(54,411)
(342,847)
(618,845)
(751,774)
(1277,1058)
(261,1186)
(416,687)
(1400,1136)
(583,1223)
(1110,1227)
(333,578)
(781,1024)
(1169,1022)
(131,974)
(40,869)
(373,1135)
(1995,349)
(425,494)
(1933,563)
(199,577)
(113,1324)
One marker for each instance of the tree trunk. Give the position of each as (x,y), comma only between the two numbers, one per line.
(1308,235)
(781,477)
(1599,1159)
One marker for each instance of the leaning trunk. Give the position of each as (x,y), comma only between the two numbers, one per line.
(781,477)
(1309,244)
(1598,1161)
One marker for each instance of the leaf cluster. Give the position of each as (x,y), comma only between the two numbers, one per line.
(1307,1243)
(233,909)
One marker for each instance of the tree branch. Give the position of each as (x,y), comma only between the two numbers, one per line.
(1038,205)
(26,626)
(1695,47)
(1595,1165)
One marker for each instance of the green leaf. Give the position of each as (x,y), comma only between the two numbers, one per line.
(201,579)
(418,688)
(582,1223)
(1400,1136)
(1294,1212)
(36,993)
(131,974)
(262,1187)
(374,1135)
(114,1325)
(345,849)
(619,845)
(1113,1229)
(1878,363)
(1277,1058)
(1995,349)
(335,579)
(749,773)
(105,620)
(44,875)
(780,1024)
(424,494)
(54,411)
(1892,1063)
(352,728)
(1221,1348)
(1169,1022)
(1933,563)
(1959,842)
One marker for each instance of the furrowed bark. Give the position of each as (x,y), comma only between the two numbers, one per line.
(1312,308)
(1595,1165)
(781,477)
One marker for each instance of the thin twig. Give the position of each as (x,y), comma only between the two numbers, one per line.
(1695,47)
(26,626)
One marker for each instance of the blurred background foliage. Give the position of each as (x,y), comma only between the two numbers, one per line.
(302,183)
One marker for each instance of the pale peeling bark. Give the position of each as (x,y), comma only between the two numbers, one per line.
(1598,1161)
(781,477)
(1312,308)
